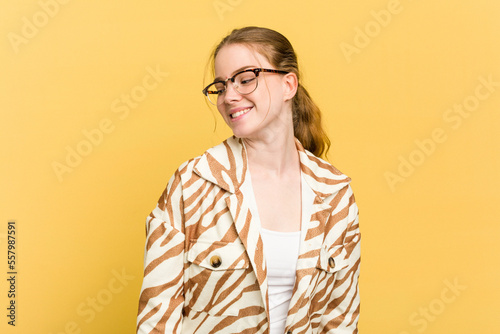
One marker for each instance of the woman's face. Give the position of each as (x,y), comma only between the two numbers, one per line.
(257,112)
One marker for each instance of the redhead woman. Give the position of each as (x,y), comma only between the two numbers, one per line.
(258,234)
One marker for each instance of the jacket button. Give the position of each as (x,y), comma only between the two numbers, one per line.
(215,261)
(331,262)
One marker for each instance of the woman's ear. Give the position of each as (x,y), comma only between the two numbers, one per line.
(290,84)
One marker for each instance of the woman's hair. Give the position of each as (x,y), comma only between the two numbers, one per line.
(279,52)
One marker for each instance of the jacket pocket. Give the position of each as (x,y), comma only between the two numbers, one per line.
(332,259)
(220,280)
(217,255)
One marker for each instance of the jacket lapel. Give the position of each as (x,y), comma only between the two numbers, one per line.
(322,181)
(226,166)
(249,233)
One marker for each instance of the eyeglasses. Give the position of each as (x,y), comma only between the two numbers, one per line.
(244,82)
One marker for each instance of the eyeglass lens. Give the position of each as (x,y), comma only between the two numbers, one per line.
(244,83)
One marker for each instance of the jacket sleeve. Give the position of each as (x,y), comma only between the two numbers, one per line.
(162,296)
(343,308)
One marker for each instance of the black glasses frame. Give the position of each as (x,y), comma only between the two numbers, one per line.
(257,71)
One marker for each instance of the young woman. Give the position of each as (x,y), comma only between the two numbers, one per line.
(258,234)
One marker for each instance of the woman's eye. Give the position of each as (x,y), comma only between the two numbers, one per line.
(218,89)
(247,81)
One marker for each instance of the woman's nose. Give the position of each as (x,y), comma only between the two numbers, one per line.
(231,93)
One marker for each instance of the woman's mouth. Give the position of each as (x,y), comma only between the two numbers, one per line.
(239,113)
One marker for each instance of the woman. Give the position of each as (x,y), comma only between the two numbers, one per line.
(257,235)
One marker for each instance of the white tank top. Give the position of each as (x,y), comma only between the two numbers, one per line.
(281,251)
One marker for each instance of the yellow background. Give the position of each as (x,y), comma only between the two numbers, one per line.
(437,226)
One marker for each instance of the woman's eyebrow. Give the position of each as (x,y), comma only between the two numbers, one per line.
(236,71)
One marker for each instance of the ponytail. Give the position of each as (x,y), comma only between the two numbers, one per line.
(307,123)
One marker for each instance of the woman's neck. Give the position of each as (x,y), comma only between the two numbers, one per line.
(273,155)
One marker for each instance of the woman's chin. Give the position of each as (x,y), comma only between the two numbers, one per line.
(241,132)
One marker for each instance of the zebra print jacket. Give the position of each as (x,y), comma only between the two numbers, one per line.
(204,267)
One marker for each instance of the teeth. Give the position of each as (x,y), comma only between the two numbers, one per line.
(241,112)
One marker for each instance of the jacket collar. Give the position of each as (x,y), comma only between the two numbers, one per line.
(226,164)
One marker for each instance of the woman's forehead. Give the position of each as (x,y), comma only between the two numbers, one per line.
(233,57)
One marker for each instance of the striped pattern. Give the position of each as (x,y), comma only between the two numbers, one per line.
(202,215)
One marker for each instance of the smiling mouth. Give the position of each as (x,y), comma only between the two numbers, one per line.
(241,112)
